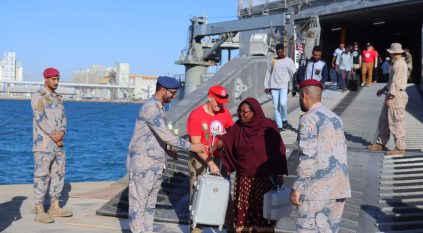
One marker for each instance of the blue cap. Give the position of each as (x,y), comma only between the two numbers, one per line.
(168,82)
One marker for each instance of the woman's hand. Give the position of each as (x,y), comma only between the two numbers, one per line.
(218,144)
(213,167)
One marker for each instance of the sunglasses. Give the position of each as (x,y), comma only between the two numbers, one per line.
(220,96)
(172,92)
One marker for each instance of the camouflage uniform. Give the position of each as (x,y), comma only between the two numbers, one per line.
(323,179)
(48,117)
(392,120)
(146,161)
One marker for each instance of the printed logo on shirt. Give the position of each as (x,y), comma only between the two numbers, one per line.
(367,55)
(317,72)
(216,128)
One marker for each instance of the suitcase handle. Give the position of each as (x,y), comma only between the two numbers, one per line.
(213,174)
(210,173)
(275,185)
(277,188)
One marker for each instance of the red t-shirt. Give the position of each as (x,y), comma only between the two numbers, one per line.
(199,123)
(369,56)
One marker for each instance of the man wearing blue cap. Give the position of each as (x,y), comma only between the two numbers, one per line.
(323,181)
(147,155)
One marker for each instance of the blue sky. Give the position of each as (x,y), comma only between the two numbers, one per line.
(73,34)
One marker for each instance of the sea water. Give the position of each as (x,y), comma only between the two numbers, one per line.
(96,141)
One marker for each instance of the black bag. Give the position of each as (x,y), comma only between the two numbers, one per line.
(353,84)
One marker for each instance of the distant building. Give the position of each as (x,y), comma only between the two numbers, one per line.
(145,86)
(141,87)
(10,68)
(100,74)
(122,74)
(95,74)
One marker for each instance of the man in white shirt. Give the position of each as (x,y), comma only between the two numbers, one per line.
(336,54)
(344,65)
(278,75)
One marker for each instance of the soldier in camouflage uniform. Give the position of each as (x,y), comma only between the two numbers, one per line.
(392,117)
(147,155)
(49,127)
(323,181)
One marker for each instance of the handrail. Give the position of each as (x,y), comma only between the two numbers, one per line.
(254,8)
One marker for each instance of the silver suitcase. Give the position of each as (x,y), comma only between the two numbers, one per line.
(276,203)
(210,201)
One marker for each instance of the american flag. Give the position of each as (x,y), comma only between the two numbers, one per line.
(299,46)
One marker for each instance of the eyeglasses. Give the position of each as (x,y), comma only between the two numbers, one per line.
(243,112)
(172,92)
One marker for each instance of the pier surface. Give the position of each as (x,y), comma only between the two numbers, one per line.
(387,192)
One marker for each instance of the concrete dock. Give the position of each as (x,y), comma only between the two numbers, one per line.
(379,183)
(17,212)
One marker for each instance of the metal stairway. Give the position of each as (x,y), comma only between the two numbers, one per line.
(401,194)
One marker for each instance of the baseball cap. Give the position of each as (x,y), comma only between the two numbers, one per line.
(219,93)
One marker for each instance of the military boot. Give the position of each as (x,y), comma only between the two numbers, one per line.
(395,152)
(41,216)
(377,147)
(56,211)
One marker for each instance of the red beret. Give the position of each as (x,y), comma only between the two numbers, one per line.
(310,82)
(51,72)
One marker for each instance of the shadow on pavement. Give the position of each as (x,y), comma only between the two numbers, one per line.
(10,212)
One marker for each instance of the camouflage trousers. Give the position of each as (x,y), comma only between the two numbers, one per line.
(49,168)
(392,120)
(143,190)
(320,216)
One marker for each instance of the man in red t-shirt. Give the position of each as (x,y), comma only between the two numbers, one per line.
(204,121)
(369,62)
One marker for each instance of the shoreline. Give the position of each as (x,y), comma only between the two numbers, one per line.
(80,100)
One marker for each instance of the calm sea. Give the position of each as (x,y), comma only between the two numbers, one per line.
(96,141)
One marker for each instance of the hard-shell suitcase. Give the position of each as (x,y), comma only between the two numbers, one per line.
(210,201)
(276,203)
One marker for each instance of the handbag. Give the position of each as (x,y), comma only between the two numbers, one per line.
(276,203)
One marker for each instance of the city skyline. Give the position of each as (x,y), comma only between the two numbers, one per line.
(72,35)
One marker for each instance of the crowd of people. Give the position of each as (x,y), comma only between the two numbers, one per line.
(252,146)
(350,62)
